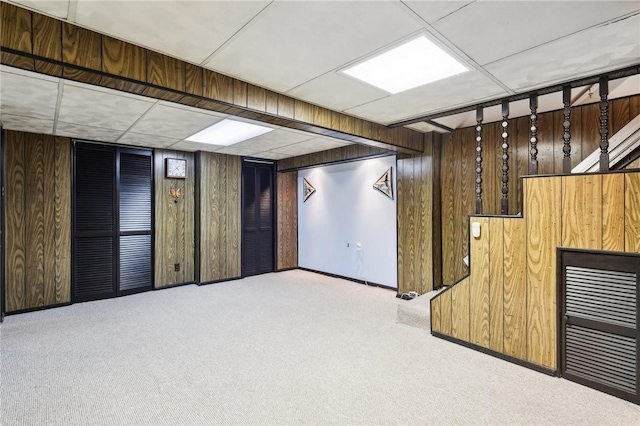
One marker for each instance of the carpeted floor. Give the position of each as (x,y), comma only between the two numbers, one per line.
(287,348)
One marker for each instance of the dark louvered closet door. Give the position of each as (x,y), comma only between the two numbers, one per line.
(258,229)
(135,222)
(599,323)
(94,224)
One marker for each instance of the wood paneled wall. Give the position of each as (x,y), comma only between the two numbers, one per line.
(349,152)
(97,59)
(511,291)
(417,241)
(287,206)
(218,218)
(174,222)
(458,167)
(38,220)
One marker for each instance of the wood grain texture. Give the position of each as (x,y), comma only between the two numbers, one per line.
(165,71)
(515,288)
(496,283)
(124,59)
(435,315)
(286,106)
(194,79)
(544,219)
(239,93)
(350,152)
(613,212)
(34,221)
(479,284)
(16,28)
(582,211)
(446,313)
(256,98)
(447,195)
(287,214)
(460,310)
(174,222)
(271,102)
(62,220)
(81,47)
(48,211)
(634,165)
(47,42)
(459,234)
(632,212)
(619,114)
(218,232)
(218,86)
(15,216)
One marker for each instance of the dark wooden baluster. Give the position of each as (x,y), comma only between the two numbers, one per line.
(533,164)
(604,124)
(505,158)
(479,160)
(566,149)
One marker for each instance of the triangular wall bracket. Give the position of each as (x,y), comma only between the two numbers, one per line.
(385,183)
(307,189)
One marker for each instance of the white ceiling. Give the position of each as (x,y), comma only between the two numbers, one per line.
(298,47)
(40,103)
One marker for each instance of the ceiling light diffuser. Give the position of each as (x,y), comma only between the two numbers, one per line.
(412,64)
(228,132)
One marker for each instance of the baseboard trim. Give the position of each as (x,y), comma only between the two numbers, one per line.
(39,308)
(526,364)
(173,285)
(292,268)
(355,280)
(201,283)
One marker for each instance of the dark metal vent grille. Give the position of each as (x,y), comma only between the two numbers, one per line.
(599,295)
(602,357)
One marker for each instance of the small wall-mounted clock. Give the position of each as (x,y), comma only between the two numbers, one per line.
(175,168)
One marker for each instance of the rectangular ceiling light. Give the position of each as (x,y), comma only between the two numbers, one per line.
(228,132)
(409,65)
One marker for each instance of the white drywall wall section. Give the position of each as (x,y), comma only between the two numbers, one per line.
(346,210)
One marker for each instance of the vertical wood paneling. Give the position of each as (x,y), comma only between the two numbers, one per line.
(613,211)
(445,312)
(219,217)
(218,86)
(256,98)
(286,106)
(62,220)
(49,238)
(271,102)
(193,79)
(619,115)
(467,189)
(16,28)
(490,169)
(47,42)
(401,180)
(558,141)
(590,127)
(546,163)
(479,284)
(459,217)
(543,206)
(174,222)
(515,288)
(460,310)
(123,59)
(239,93)
(165,71)
(632,212)
(287,192)
(435,315)
(496,284)
(34,206)
(81,47)
(447,208)
(582,211)
(15,246)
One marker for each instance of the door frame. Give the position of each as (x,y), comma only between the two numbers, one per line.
(274,209)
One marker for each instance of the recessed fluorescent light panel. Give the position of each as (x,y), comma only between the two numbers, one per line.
(228,132)
(409,65)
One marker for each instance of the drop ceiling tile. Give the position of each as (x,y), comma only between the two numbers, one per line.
(202,27)
(26,124)
(57,8)
(309,146)
(274,139)
(139,139)
(337,91)
(87,132)
(432,11)
(164,120)
(464,89)
(269,155)
(490,30)
(293,42)
(195,146)
(25,94)
(425,127)
(586,53)
(95,108)
(235,150)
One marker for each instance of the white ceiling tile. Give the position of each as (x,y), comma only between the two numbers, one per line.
(139,139)
(50,7)
(269,155)
(235,150)
(309,146)
(164,120)
(274,139)
(589,52)
(453,92)
(26,73)
(489,30)
(25,95)
(432,11)
(26,124)
(425,127)
(294,42)
(337,91)
(195,146)
(89,107)
(87,132)
(191,30)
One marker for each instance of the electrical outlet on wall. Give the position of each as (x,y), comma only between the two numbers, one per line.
(176,267)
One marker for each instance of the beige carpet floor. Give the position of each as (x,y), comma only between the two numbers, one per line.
(286,348)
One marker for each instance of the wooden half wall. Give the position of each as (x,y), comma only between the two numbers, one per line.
(508,303)
(38,221)
(458,167)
